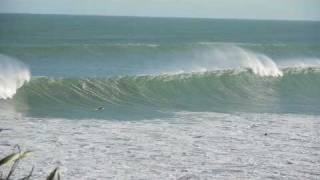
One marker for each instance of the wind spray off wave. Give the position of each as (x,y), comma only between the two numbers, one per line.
(13,74)
(234,57)
(260,64)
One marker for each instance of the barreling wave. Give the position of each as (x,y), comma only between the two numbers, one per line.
(13,74)
(222,91)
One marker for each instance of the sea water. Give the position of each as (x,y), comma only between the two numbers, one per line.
(161,98)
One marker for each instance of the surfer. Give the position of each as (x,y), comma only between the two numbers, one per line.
(99,108)
(1,129)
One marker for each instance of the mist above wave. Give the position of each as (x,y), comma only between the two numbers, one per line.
(229,57)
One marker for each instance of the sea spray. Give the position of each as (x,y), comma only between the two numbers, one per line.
(13,74)
(228,56)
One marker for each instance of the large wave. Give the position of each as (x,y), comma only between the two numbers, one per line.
(296,91)
(13,74)
(224,79)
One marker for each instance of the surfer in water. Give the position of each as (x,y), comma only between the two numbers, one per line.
(99,108)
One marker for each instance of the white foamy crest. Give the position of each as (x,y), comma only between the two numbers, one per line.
(300,63)
(260,64)
(233,57)
(13,74)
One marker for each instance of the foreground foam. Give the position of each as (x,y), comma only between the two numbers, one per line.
(206,145)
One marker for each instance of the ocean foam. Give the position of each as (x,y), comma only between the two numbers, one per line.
(300,63)
(13,74)
(203,144)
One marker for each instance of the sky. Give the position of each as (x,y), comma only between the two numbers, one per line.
(234,9)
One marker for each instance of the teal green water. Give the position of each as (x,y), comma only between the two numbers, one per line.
(152,67)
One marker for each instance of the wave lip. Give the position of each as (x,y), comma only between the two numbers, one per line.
(260,64)
(229,57)
(236,57)
(13,75)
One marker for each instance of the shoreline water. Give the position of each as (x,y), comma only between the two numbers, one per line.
(211,145)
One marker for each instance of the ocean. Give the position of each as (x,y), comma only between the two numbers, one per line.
(161,98)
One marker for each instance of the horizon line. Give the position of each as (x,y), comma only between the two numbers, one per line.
(167,17)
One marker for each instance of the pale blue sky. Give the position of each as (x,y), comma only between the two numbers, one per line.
(244,9)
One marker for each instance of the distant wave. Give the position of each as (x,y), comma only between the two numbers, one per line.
(13,74)
(137,45)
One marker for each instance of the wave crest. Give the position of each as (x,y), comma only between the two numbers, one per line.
(13,74)
(234,57)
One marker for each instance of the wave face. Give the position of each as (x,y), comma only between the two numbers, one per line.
(13,74)
(296,91)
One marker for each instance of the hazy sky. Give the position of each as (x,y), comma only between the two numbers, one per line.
(252,9)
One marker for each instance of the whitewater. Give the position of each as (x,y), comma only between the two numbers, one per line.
(161,98)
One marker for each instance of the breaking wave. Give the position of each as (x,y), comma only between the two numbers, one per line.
(234,57)
(13,74)
(224,79)
(297,90)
